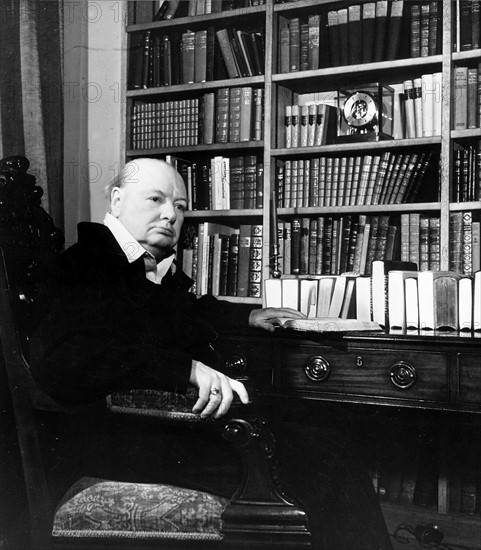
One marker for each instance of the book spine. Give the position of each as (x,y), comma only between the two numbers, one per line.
(255,262)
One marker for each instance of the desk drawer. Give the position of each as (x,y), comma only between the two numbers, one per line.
(366,372)
(469,368)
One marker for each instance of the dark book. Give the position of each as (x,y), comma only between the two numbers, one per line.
(143,11)
(255,262)
(344,37)
(476,23)
(136,55)
(426,489)
(312,246)
(227,53)
(345,239)
(210,54)
(161,10)
(313,41)
(327,246)
(222,108)
(394,29)
(284,41)
(294,44)
(235,98)
(304,51)
(237,183)
(146,57)
(259,185)
(304,247)
(415,29)
(368,31)
(380,30)
(381,238)
(250,181)
(424,31)
(200,56)
(464,25)
(334,38)
(257,51)
(239,57)
(224,264)
(436,27)
(157,73)
(233,264)
(176,54)
(336,233)
(354,35)
(188,57)
(244,260)
(246,46)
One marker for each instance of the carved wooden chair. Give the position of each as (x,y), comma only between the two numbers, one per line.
(108,514)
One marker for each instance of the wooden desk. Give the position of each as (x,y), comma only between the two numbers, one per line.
(433,375)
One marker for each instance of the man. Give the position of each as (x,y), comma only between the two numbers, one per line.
(119,315)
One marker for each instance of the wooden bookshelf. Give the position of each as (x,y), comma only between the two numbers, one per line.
(270,150)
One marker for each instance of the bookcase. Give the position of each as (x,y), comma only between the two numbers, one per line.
(422,177)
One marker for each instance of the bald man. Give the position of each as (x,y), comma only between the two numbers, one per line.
(118,315)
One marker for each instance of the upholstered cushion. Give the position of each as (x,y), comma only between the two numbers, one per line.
(154,400)
(97,508)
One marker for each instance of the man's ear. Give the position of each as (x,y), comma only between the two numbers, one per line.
(116,198)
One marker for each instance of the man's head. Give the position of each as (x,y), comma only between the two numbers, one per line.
(149,198)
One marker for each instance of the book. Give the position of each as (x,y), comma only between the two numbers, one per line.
(325,290)
(460,98)
(446,300)
(411,302)
(465,303)
(294,44)
(227,53)
(272,293)
(363,298)
(334,37)
(355,34)
(396,297)
(379,287)
(337,297)
(290,293)
(255,261)
(313,49)
(327,324)
(380,30)
(394,29)
(368,31)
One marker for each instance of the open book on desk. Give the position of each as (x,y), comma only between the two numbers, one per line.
(328,324)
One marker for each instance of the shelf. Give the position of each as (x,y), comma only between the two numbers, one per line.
(208,214)
(468,55)
(357,146)
(187,89)
(371,209)
(461,206)
(325,79)
(201,20)
(238,300)
(466,134)
(214,147)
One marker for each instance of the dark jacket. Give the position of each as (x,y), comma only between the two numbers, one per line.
(104,327)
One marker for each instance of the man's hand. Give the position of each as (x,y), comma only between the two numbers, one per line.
(215,391)
(267,318)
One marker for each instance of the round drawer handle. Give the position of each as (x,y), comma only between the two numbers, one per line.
(317,369)
(403,375)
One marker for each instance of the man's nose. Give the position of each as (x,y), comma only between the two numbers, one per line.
(168,212)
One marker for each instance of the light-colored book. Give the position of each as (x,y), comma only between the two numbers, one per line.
(290,293)
(308,297)
(273,293)
(411,301)
(337,297)
(465,305)
(363,299)
(396,297)
(326,288)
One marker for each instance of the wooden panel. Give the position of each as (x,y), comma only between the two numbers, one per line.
(469,369)
(366,372)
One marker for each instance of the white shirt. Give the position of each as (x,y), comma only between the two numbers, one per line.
(133,250)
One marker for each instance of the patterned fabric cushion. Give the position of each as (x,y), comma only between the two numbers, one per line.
(156,400)
(94,507)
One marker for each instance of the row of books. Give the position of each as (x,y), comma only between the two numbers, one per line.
(146,11)
(388,178)
(309,125)
(224,261)
(420,242)
(423,105)
(165,124)
(222,183)
(228,115)
(466,184)
(467,29)
(396,296)
(426,28)
(243,51)
(166,59)
(467,97)
(330,245)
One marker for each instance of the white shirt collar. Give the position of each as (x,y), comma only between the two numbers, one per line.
(133,250)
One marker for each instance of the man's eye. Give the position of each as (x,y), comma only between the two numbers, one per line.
(181,207)
(154,199)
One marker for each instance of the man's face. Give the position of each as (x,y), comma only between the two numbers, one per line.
(151,205)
